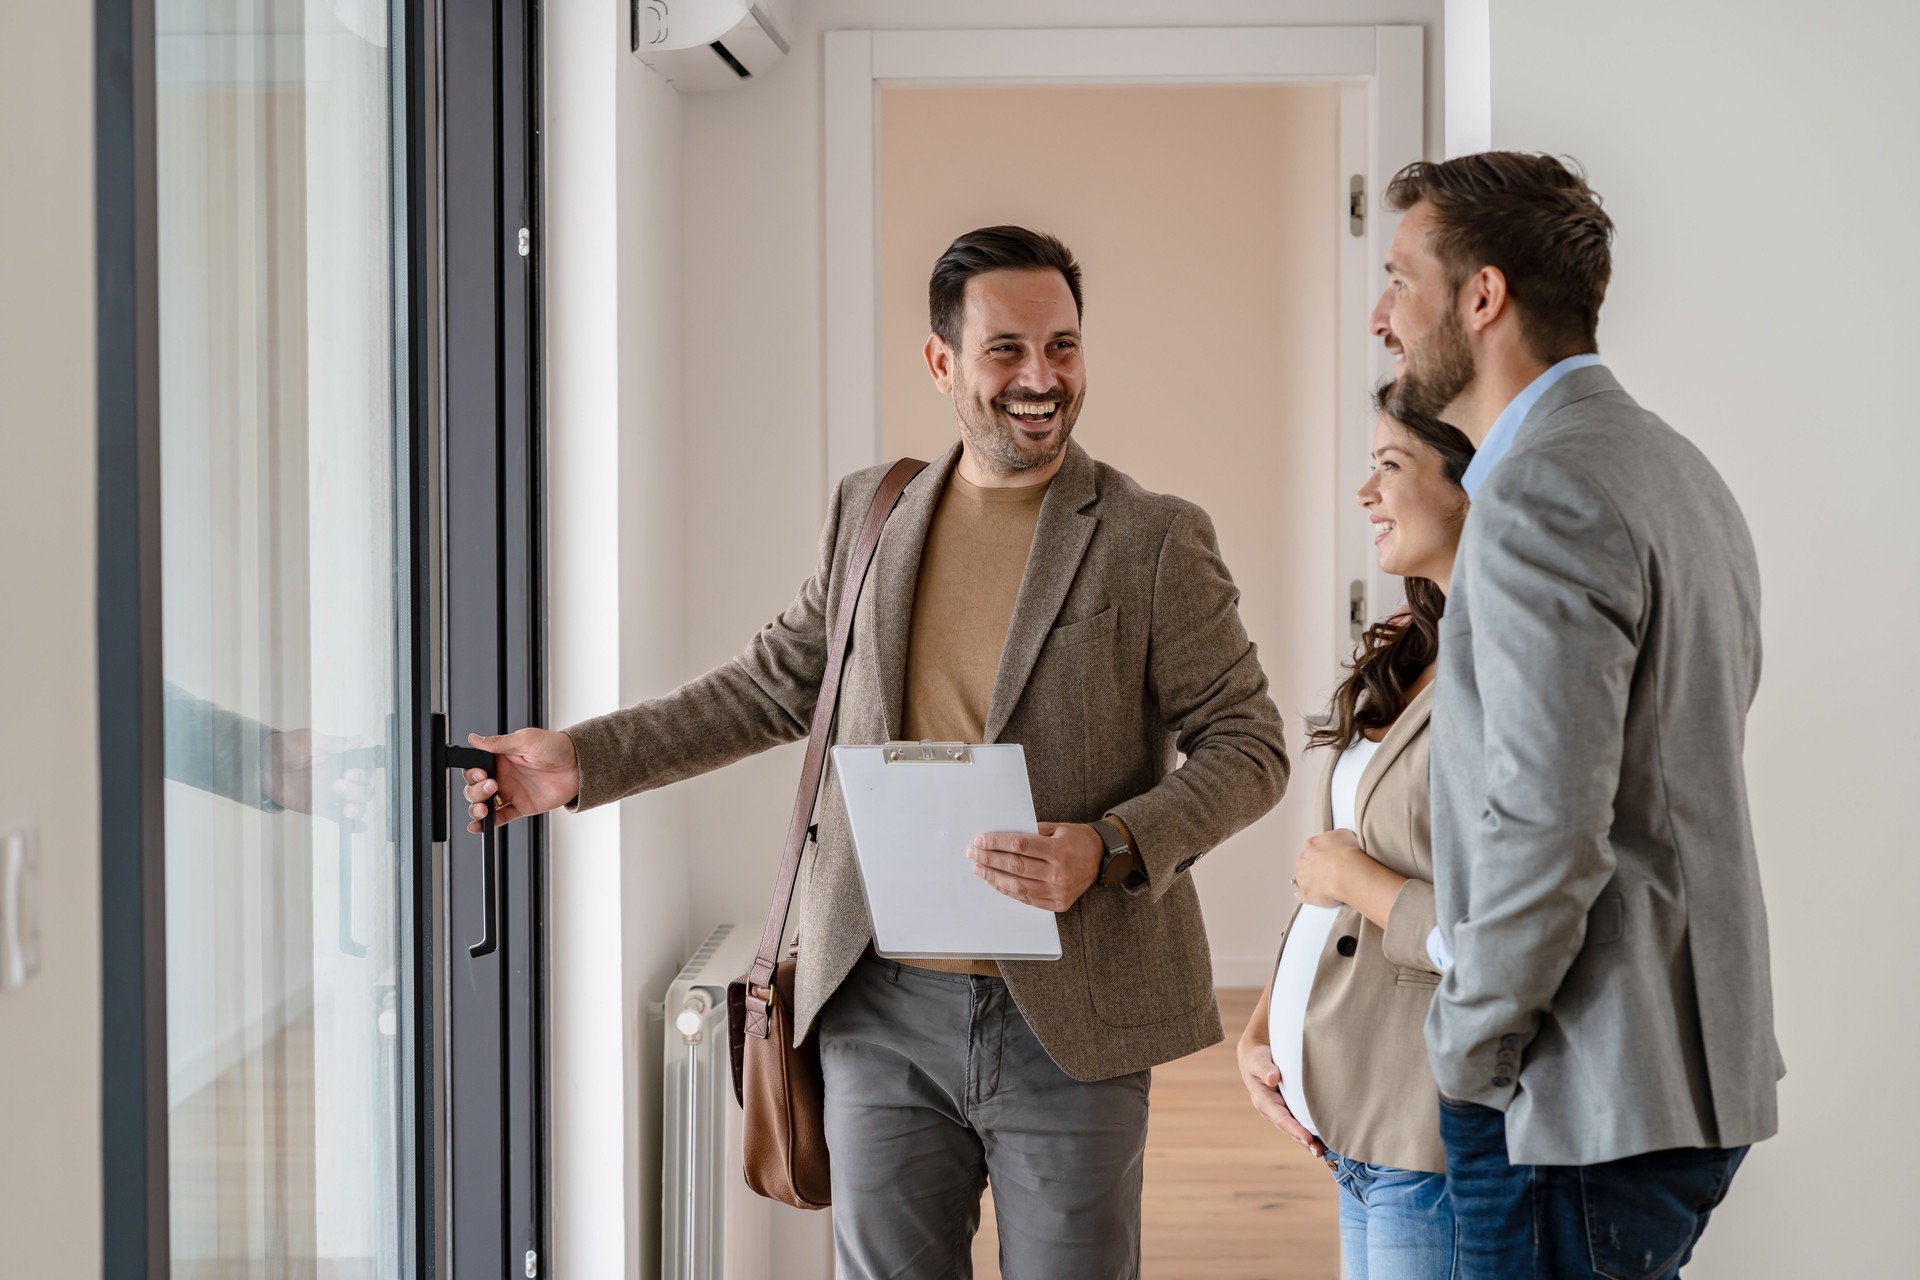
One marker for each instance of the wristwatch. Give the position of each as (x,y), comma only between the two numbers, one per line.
(1120,866)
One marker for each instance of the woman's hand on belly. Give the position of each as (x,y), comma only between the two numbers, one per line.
(1262,1079)
(1334,871)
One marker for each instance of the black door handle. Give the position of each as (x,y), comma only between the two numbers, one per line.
(464,758)
(447,755)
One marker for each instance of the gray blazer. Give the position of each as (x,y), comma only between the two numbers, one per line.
(1125,650)
(1594,867)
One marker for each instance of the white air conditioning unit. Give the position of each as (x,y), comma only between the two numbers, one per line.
(711,1226)
(711,44)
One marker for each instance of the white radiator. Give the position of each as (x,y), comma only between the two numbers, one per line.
(711,1226)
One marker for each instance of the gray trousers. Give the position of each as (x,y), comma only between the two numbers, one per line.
(935,1085)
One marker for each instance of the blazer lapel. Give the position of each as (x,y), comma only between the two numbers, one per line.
(1404,730)
(1059,542)
(883,627)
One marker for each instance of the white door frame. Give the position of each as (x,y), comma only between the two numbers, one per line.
(1381,78)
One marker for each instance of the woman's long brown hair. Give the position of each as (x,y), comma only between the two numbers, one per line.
(1394,652)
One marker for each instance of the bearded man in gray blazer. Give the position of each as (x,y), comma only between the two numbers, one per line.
(1603,1034)
(1022,592)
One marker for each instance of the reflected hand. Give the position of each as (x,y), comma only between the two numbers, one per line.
(1049,870)
(289,761)
(535,771)
(1262,1079)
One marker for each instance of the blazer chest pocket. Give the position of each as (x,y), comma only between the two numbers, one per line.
(1085,631)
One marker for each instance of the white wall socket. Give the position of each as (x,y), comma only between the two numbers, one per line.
(19,907)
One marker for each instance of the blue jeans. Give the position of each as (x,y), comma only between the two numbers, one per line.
(1395,1224)
(1632,1219)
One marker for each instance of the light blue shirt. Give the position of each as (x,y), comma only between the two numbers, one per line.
(1506,427)
(1499,442)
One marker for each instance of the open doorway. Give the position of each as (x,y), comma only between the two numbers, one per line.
(1228,275)
(1208,221)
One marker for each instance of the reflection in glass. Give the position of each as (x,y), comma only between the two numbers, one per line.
(278,449)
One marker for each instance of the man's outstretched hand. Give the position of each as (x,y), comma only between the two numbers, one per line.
(534,770)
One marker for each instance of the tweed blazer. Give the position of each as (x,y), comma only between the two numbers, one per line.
(1594,863)
(1365,1057)
(1125,650)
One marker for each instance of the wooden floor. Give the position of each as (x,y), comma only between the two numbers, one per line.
(1227,1198)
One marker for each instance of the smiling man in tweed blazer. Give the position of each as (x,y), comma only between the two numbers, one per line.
(1022,592)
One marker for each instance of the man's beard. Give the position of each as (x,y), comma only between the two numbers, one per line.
(1425,388)
(988,433)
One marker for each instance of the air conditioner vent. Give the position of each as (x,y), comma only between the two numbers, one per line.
(710,44)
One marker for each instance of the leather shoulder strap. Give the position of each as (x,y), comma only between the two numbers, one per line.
(861,558)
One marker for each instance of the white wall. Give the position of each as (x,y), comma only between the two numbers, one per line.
(755,421)
(616,598)
(1758,161)
(49,776)
(755,427)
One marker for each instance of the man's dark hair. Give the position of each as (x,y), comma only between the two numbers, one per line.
(992,249)
(1533,217)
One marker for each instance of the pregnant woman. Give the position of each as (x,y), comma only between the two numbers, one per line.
(1333,1055)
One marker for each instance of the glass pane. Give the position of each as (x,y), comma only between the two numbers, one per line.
(279,443)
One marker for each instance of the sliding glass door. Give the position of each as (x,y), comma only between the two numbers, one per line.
(284,637)
(317,570)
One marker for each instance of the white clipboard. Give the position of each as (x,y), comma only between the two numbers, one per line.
(914,807)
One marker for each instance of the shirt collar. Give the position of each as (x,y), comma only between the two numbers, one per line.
(1506,427)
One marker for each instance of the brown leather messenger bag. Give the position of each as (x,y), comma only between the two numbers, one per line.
(777,1084)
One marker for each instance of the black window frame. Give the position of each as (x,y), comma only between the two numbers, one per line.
(133,1081)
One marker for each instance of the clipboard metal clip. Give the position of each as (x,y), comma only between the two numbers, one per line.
(928,753)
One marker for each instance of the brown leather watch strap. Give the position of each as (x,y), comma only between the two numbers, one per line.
(858,561)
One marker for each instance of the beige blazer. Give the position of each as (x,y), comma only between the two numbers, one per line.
(1125,650)
(1365,1062)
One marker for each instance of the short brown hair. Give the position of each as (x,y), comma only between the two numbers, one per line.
(1533,217)
(992,249)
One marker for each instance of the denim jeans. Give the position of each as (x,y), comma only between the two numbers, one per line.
(1632,1219)
(1395,1224)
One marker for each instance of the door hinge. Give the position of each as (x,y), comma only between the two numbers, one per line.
(1357,609)
(533,1265)
(1356,206)
(526,242)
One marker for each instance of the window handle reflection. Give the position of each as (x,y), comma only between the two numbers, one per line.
(371,760)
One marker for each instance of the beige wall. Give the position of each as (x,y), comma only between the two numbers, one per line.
(1206,220)
(1758,162)
(49,775)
